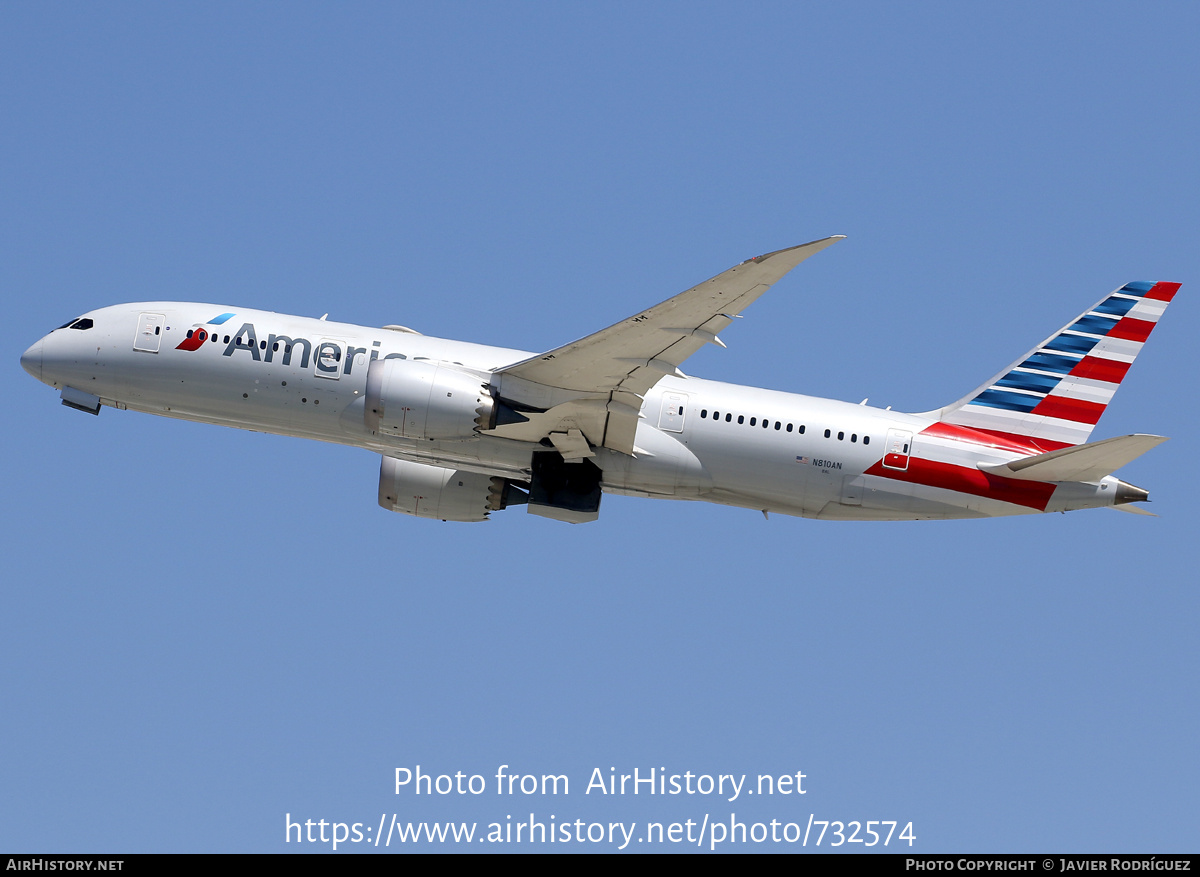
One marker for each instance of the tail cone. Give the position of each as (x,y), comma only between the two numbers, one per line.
(1126,492)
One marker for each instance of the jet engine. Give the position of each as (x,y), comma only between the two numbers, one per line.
(447,494)
(420,400)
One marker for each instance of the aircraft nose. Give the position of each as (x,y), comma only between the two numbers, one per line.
(31,360)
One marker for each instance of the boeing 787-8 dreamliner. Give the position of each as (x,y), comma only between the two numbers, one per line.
(464,430)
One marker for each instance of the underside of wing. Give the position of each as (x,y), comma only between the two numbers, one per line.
(596,385)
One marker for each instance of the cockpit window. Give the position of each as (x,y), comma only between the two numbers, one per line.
(80,323)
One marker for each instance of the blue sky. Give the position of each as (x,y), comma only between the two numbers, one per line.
(209,629)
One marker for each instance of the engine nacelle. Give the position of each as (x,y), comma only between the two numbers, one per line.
(446,494)
(413,399)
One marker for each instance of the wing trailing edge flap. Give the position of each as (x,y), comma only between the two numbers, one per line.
(597,384)
(1090,462)
(572,445)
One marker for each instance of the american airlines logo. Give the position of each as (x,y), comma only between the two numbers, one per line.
(197,335)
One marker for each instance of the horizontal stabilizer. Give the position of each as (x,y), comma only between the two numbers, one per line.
(1133,510)
(1090,462)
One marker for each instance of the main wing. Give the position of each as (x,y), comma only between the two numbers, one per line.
(590,392)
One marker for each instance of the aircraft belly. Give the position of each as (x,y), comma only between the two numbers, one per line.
(259,404)
(763,480)
(661,465)
(488,455)
(886,498)
(1073,495)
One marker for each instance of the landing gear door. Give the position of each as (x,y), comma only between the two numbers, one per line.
(670,418)
(149,333)
(897,449)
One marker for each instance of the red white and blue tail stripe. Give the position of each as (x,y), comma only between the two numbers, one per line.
(1055,393)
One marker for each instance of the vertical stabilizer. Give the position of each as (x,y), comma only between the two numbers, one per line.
(1056,392)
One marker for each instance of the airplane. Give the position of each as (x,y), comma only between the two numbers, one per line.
(464,430)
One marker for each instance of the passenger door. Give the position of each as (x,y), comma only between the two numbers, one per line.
(897,449)
(671,416)
(149,333)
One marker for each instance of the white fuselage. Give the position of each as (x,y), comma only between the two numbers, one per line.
(696,440)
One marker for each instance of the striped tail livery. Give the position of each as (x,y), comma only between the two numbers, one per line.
(1020,442)
(1053,395)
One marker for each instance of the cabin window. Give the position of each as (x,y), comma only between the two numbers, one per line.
(741,418)
(841,435)
(789,427)
(778,425)
(826,433)
(853,436)
(866,439)
(716,415)
(704,412)
(754,421)
(728,417)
